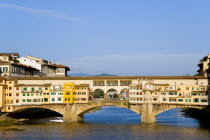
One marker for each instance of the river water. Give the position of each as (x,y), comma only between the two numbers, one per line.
(112,123)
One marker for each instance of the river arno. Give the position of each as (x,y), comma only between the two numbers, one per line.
(113,123)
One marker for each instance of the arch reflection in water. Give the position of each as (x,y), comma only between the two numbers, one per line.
(112,115)
(113,123)
(118,115)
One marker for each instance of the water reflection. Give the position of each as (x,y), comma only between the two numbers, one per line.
(114,123)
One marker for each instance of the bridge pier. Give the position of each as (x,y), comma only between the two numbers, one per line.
(147,115)
(69,114)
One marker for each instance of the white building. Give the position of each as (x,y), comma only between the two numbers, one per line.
(56,94)
(46,68)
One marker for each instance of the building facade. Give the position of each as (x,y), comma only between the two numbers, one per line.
(45,67)
(204,66)
(185,90)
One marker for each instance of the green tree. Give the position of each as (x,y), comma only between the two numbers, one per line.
(98,93)
(115,95)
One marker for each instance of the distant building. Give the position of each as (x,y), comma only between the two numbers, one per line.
(17,70)
(46,68)
(204,66)
(9,57)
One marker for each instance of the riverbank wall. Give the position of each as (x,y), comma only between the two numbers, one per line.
(203,115)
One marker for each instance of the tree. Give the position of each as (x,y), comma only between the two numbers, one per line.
(115,95)
(98,93)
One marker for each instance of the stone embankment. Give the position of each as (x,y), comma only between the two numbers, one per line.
(201,114)
(6,121)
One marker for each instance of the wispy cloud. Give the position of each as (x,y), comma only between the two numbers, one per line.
(49,13)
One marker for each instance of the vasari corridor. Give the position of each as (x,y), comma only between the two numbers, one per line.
(104,70)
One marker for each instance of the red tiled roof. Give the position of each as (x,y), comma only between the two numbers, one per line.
(9,54)
(62,66)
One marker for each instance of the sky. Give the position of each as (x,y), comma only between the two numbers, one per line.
(120,37)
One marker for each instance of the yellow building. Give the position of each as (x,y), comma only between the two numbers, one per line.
(9,95)
(46,93)
(81,93)
(75,93)
(68,90)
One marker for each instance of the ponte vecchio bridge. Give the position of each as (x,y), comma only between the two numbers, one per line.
(69,96)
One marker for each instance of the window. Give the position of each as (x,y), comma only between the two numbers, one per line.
(204,100)
(17,94)
(172,93)
(98,83)
(17,88)
(46,88)
(53,99)
(67,93)
(24,100)
(192,88)
(172,100)
(17,101)
(164,99)
(196,100)
(45,99)
(5,69)
(10,88)
(180,100)
(59,99)
(112,83)
(25,89)
(187,100)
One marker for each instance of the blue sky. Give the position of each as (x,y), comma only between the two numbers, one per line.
(122,37)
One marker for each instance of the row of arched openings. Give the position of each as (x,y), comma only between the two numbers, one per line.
(111,94)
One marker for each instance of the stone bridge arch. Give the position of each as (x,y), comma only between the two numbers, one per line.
(76,111)
(158,109)
(59,108)
(123,104)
